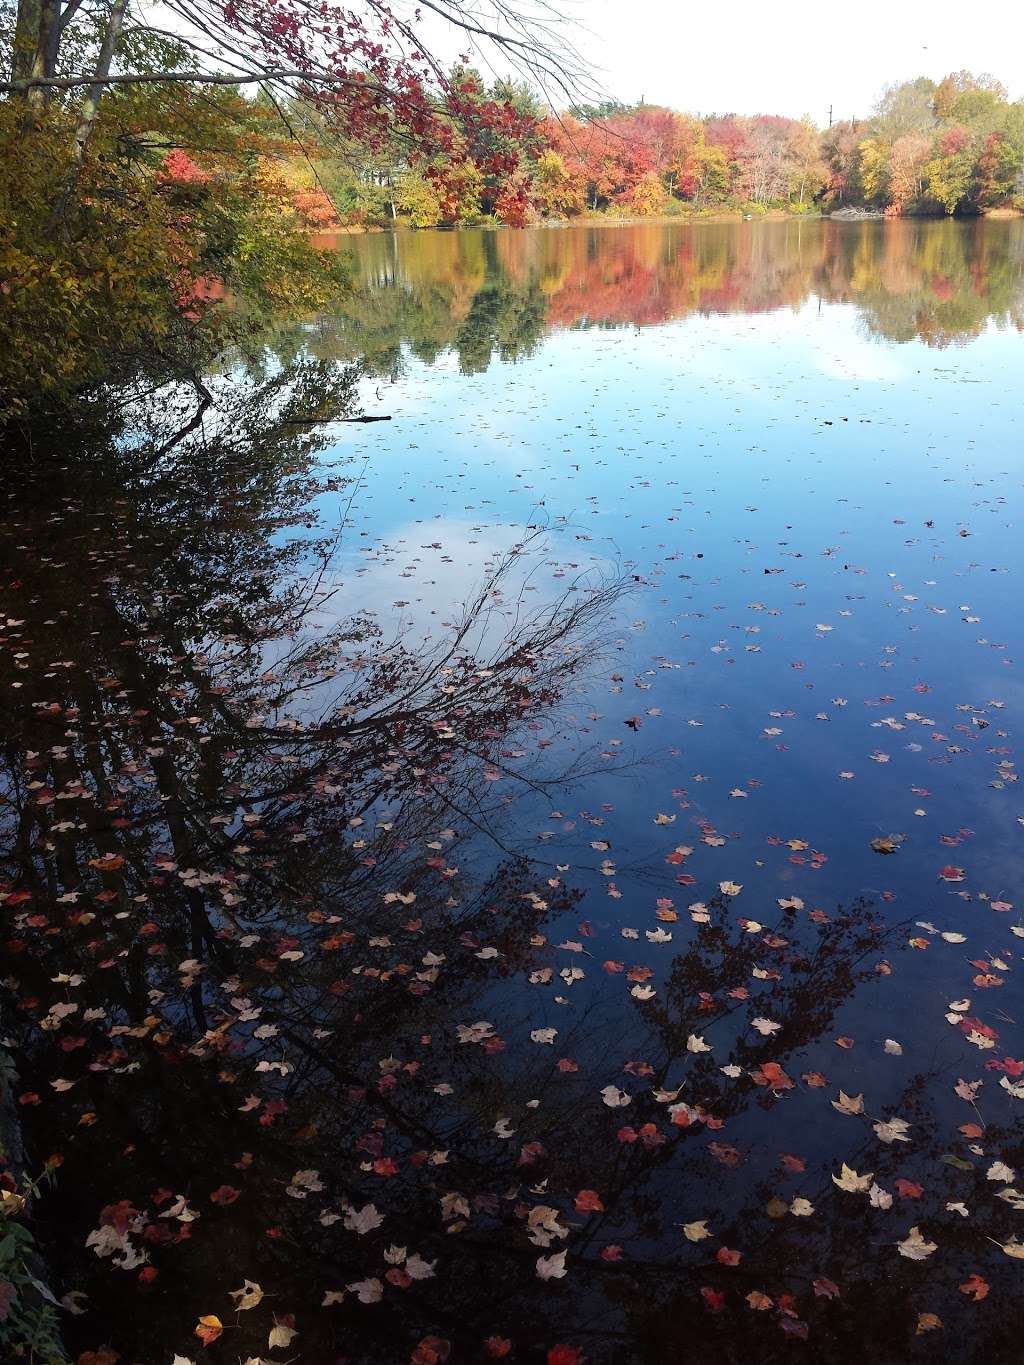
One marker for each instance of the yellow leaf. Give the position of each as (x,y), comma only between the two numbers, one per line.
(847,1104)
(697,1231)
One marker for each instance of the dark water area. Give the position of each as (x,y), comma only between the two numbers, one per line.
(537,878)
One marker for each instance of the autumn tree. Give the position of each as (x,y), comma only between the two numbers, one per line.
(366,70)
(841,151)
(906,170)
(557,190)
(807,167)
(764,161)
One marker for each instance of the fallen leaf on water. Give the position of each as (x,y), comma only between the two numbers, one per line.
(208,1329)
(853,1183)
(281,1333)
(697,1231)
(892,1130)
(614,1098)
(551,1267)
(248,1296)
(917,1248)
(847,1104)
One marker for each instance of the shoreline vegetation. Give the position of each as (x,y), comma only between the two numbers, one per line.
(843,215)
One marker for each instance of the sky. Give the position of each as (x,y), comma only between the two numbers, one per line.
(791,57)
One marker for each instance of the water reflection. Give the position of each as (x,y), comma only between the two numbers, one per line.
(485,295)
(311,1018)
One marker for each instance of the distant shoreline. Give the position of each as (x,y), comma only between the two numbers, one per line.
(848,215)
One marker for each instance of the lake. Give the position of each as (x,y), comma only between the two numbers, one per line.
(537,877)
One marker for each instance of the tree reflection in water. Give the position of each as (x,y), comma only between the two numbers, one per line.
(284,976)
(485,296)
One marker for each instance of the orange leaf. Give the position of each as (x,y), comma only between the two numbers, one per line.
(975,1288)
(208,1329)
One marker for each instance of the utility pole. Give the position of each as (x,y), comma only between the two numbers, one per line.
(830,116)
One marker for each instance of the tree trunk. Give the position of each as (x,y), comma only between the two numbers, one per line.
(26,39)
(91,103)
(46,50)
(90,108)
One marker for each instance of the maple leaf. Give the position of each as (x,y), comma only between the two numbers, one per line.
(892,1130)
(551,1267)
(1001,1172)
(543,1225)
(772,1075)
(419,1269)
(853,1183)
(928,1322)
(367,1291)
(880,1199)
(907,1189)
(589,1201)
(826,1289)
(915,1248)
(847,1104)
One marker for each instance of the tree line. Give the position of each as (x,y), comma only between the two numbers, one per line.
(955,146)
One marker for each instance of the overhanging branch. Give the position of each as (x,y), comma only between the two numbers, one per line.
(189,77)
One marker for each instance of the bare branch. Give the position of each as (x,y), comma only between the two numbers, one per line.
(194,77)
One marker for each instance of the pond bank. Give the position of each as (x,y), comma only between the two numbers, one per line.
(847,215)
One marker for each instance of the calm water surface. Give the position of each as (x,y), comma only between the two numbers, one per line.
(539,878)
